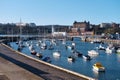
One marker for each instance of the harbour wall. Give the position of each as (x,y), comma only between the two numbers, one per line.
(51,65)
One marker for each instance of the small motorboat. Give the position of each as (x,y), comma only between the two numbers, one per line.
(20,43)
(118,51)
(19,48)
(27,44)
(71,59)
(56,54)
(47,59)
(70,47)
(101,47)
(93,53)
(98,67)
(86,57)
(43,46)
(31,47)
(97,41)
(39,55)
(51,47)
(73,44)
(108,50)
(33,52)
(77,54)
(38,44)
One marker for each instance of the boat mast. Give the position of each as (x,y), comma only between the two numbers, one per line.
(20,29)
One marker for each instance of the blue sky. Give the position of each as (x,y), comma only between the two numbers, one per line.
(64,12)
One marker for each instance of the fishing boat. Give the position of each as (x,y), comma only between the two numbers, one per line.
(98,67)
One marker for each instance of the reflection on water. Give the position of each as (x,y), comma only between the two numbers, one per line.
(99,75)
(111,62)
(118,57)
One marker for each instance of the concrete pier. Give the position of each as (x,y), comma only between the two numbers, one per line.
(16,66)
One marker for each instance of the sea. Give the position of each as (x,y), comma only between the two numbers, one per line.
(111,61)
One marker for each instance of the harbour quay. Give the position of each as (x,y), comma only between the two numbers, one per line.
(17,66)
(109,41)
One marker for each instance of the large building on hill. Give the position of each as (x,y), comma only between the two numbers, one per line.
(79,28)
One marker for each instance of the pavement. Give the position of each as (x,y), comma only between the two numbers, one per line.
(14,66)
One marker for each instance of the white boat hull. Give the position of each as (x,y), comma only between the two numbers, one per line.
(101,69)
(56,54)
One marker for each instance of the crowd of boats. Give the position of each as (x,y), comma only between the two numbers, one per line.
(72,47)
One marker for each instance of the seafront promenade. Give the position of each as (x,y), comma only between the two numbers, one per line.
(14,66)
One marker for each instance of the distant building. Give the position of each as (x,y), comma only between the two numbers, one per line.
(59,30)
(21,24)
(114,25)
(103,25)
(1,24)
(59,34)
(53,29)
(32,24)
(79,28)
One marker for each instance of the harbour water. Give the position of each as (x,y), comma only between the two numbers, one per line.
(111,62)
